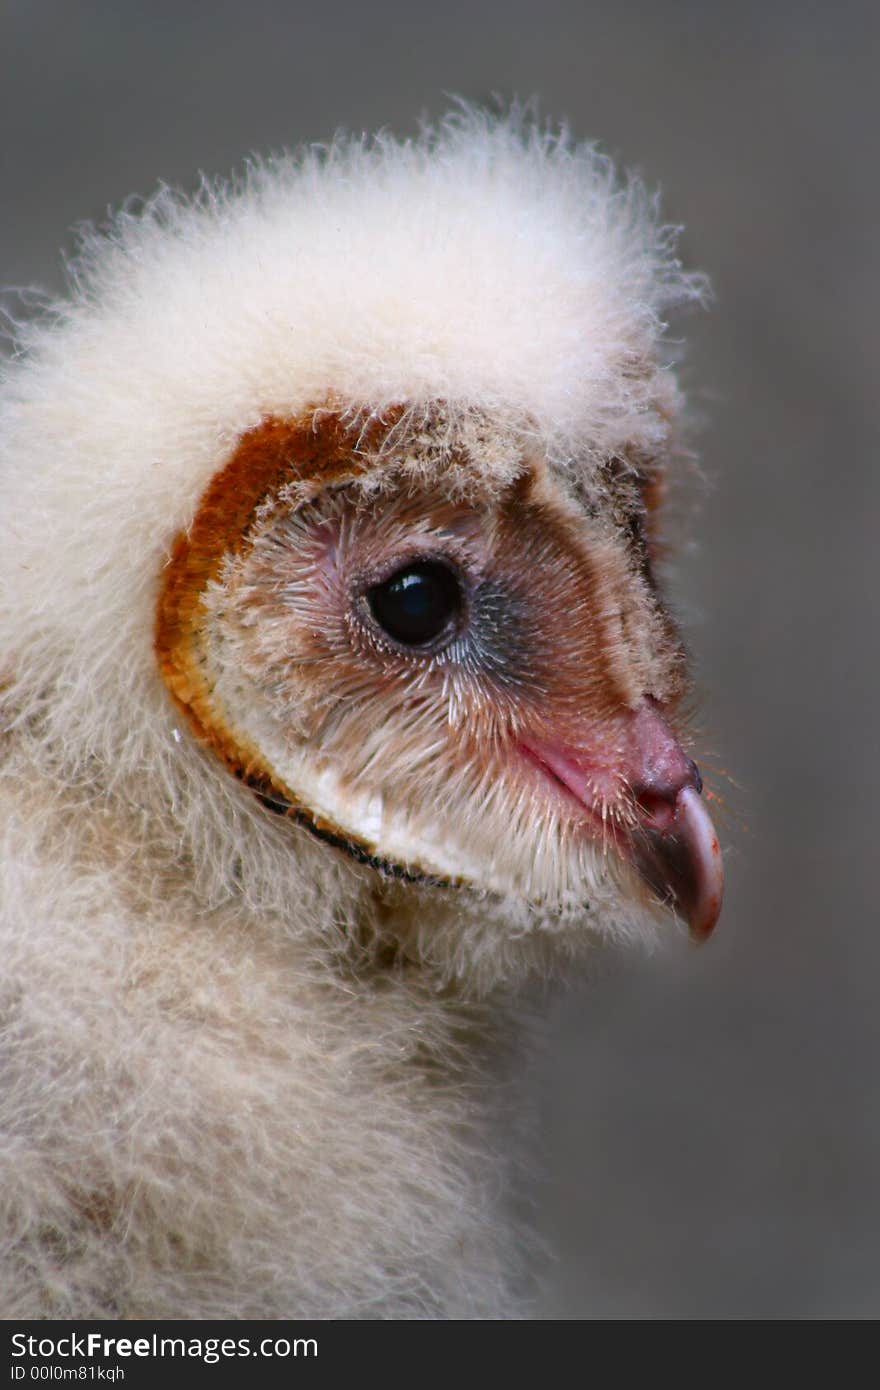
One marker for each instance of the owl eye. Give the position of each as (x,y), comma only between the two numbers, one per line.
(416,604)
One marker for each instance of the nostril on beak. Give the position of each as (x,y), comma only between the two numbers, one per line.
(695,780)
(661,769)
(657,794)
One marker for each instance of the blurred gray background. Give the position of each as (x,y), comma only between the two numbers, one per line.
(710,1119)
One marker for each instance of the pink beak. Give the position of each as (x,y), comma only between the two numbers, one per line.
(673,843)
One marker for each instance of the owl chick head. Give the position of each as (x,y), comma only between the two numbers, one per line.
(351,477)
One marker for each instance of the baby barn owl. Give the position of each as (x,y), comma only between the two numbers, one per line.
(338,700)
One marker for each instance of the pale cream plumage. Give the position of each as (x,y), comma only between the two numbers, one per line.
(337,700)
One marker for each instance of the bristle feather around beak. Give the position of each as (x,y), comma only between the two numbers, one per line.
(641,795)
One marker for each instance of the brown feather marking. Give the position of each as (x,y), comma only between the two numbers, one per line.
(320,445)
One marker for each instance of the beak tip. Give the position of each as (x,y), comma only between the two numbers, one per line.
(704,886)
(702,925)
(682,864)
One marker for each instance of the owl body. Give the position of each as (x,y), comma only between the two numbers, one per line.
(338,701)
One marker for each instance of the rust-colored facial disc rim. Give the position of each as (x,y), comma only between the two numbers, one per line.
(321,449)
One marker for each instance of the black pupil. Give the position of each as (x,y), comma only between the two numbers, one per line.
(416,604)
